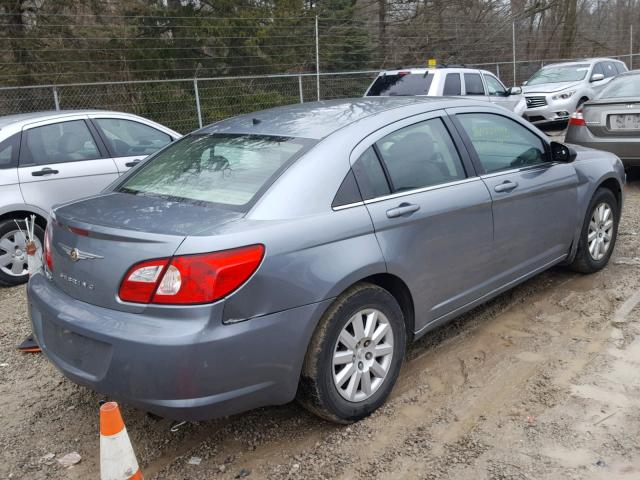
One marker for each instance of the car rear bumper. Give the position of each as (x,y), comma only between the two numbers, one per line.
(628,149)
(205,369)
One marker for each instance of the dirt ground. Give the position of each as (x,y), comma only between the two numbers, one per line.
(540,383)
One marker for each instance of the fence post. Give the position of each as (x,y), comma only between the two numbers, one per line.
(195,90)
(317,60)
(56,101)
(513,44)
(631,47)
(300,89)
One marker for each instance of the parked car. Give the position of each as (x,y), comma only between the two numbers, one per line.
(296,251)
(555,91)
(611,121)
(53,157)
(447,81)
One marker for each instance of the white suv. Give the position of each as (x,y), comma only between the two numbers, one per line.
(447,81)
(54,157)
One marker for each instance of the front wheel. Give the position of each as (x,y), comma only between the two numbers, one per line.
(599,233)
(355,355)
(13,255)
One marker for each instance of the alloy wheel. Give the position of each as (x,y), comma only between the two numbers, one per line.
(600,231)
(362,355)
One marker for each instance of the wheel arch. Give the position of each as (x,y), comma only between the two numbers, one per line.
(41,220)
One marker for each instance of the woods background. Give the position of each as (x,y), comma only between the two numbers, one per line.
(62,42)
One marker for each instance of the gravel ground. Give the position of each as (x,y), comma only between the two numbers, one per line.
(541,383)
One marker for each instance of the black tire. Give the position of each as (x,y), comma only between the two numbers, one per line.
(584,261)
(7,226)
(317,391)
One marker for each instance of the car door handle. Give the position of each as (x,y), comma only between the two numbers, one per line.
(132,164)
(403,209)
(505,186)
(44,171)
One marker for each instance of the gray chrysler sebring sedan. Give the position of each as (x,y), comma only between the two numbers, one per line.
(295,252)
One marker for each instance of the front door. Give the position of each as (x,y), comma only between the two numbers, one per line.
(431,214)
(60,162)
(534,199)
(500,95)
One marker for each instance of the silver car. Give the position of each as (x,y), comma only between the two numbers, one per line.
(447,81)
(296,251)
(611,121)
(555,91)
(53,157)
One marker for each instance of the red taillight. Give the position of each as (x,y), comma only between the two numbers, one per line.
(190,279)
(46,253)
(576,118)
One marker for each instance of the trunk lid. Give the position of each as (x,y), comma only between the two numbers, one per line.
(603,117)
(94,242)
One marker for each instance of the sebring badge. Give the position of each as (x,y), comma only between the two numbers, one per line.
(75,254)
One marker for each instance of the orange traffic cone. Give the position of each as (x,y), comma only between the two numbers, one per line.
(117,459)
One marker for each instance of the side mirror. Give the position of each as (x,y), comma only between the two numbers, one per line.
(515,91)
(596,77)
(562,153)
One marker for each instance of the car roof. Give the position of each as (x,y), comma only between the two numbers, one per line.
(49,115)
(317,120)
(418,70)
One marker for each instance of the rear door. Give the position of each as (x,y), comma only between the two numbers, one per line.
(129,141)
(534,199)
(62,160)
(431,214)
(474,87)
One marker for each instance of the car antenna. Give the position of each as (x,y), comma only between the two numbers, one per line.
(256,121)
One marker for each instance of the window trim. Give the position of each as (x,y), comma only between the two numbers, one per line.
(102,152)
(105,142)
(480,170)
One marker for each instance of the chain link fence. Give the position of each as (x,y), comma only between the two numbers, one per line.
(186,104)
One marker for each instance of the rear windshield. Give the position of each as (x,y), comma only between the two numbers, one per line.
(565,73)
(621,87)
(401,84)
(222,169)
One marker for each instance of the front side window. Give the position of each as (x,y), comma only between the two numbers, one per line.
(501,143)
(609,69)
(401,84)
(473,84)
(452,84)
(226,169)
(128,138)
(420,155)
(559,74)
(59,142)
(495,87)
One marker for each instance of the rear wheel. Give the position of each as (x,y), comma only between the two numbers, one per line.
(13,255)
(355,355)
(599,233)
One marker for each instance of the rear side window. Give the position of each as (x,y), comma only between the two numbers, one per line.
(126,138)
(473,84)
(420,155)
(452,84)
(9,151)
(370,175)
(224,169)
(58,143)
(401,84)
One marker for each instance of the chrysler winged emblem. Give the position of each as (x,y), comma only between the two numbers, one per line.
(75,254)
